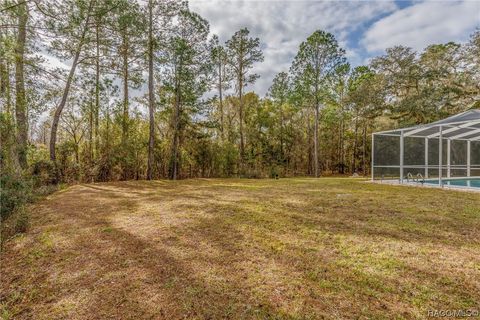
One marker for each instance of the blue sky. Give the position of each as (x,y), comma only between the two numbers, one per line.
(364,28)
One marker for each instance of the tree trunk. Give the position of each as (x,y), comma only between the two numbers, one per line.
(315,141)
(309,143)
(364,156)
(8,95)
(220,97)
(317,70)
(342,145)
(44,134)
(176,125)
(5,81)
(240,98)
(151,97)
(21,100)
(90,136)
(125,91)
(58,111)
(282,122)
(97,87)
(76,142)
(3,74)
(355,145)
(107,132)
(125,170)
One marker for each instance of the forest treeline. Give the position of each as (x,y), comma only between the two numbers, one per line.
(147,92)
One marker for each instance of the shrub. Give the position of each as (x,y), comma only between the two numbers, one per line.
(14,193)
(43,172)
(21,220)
(16,222)
(274,172)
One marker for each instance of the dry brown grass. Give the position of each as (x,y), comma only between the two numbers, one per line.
(243,249)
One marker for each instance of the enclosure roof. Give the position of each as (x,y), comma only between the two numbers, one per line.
(463,126)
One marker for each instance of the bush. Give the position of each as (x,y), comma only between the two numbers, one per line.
(14,193)
(274,172)
(43,191)
(21,220)
(43,172)
(17,222)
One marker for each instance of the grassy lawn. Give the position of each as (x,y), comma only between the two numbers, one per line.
(244,249)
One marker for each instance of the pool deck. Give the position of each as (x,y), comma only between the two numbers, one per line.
(427,185)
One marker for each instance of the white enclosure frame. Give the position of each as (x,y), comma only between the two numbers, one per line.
(464,126)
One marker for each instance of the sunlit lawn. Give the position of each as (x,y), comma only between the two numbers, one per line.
(263,249)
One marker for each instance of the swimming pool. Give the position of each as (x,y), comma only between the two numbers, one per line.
(463,182)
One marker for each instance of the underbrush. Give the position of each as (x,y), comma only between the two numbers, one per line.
(16,193)
(16,223)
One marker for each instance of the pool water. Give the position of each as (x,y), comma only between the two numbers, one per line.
(471,183)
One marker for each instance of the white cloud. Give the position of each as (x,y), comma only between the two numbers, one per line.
(283,25)
(424,23)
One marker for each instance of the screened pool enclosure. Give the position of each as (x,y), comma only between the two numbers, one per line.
(446,149)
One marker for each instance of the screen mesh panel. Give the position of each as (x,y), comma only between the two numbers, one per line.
(421,149)
(419,158)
